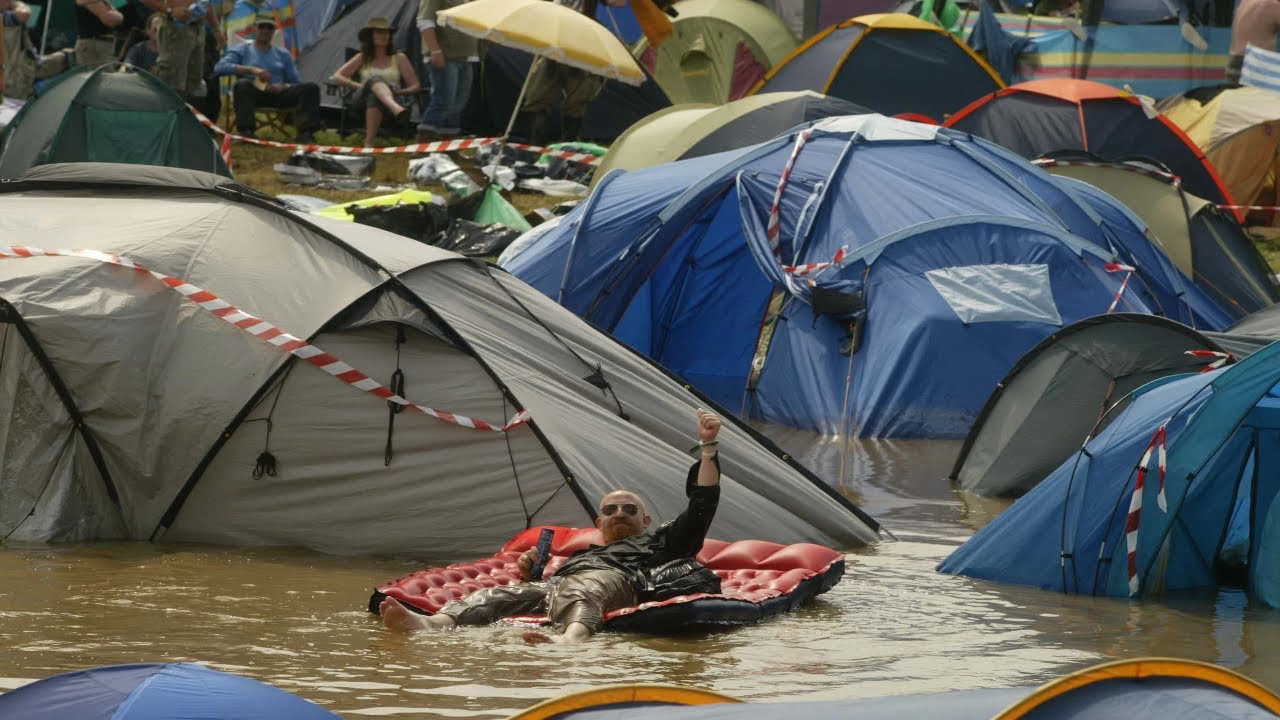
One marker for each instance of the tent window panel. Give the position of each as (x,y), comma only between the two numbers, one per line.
(997,293)
(128,136)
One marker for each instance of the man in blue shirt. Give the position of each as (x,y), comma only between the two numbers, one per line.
(269,78)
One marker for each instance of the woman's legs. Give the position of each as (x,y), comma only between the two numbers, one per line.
(382,91)
(372,121)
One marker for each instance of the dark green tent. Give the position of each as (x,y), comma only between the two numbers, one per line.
(105,115)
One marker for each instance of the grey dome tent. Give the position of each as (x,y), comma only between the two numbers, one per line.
(1059,394)
(133,408)
(102,115)
(1206,243)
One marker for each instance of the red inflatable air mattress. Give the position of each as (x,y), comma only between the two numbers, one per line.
(758,579)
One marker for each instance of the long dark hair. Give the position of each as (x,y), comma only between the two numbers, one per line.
(367,49)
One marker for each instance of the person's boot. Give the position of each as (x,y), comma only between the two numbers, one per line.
(572,128)
(540,129)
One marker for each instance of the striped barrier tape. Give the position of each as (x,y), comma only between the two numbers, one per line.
(267,332)
(1222,358)
(773,226)
(438,146)
(1118,267)
(1134,519)
(1250,208)
(815,268)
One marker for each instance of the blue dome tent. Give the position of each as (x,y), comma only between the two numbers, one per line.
(1179,491)
(948,273)
(155,691)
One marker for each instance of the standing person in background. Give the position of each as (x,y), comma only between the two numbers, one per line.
(96,21)
(1257,22)
(17,63)
(554,83)
(180,43)
(448,56)
(268,77)
(380,74)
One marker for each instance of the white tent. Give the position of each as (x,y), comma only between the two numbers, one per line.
(130,411)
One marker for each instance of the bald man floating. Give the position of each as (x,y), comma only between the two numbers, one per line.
(632,567)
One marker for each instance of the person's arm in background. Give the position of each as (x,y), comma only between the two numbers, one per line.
(427,10)
(408,76)
(21,13)
(345,75)
(211,17)
(102,10)
(232,62)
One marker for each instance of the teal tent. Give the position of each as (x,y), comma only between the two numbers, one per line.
(105,115)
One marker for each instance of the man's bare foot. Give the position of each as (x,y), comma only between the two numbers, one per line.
(575,633)
(398,617)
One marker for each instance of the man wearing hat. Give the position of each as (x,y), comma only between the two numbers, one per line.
(448,55)
(267,77)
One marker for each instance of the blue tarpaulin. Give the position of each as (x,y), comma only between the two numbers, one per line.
(963,263)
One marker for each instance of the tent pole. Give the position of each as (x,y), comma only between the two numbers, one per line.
(44,36)
(844,409)
(515,111)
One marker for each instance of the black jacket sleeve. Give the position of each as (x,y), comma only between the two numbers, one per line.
(684,536)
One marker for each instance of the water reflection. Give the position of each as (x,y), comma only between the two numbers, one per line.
(296,619)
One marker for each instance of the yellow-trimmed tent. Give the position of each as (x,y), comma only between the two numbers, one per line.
(697,129)
(718,50)
(892,63)
(1239,131)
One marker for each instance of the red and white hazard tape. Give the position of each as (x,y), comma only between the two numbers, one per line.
(773,225)
(269,333)
(1222,358)
(1250,208)
(439,146)
(1133,521)
(1117,267)
(815,268)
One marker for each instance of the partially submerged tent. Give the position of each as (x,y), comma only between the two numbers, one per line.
(718,50)
(1045,116)
(680,262)
(1137,688)
(892,63)
(1205,242)
(171,405)
(1059,393)
(1238,128)
(694,130)
(1179,491)
(106,116)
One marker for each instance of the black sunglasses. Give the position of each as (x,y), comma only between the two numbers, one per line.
(610,509)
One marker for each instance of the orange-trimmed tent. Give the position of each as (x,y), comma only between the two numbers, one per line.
(892,63)
(1042,117)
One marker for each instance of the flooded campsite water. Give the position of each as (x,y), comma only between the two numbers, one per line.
(893,626)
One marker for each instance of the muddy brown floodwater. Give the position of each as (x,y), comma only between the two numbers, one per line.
(297,619)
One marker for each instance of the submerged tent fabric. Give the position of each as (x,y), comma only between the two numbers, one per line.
(1238,128)
(1045,116)
(687,131)
(966,259)
(106,116)
(186,428)
(496,85)
(891,63)
(718,50)
(1205,243)
(1215,509)
(154,691)
(1057,394)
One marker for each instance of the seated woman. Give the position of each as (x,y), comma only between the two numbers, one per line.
(380,75)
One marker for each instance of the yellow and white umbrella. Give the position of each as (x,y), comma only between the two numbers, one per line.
(548,30)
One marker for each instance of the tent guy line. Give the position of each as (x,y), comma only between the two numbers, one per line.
(440,146)
(263,330)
